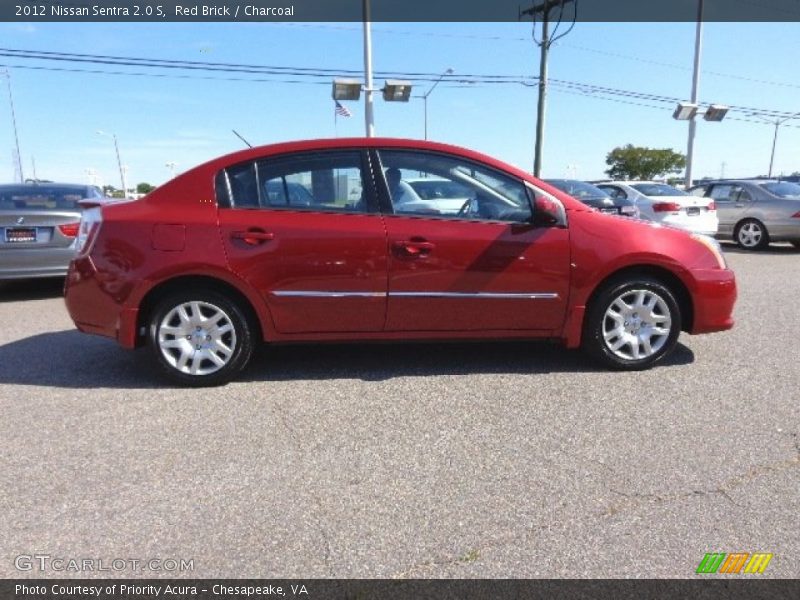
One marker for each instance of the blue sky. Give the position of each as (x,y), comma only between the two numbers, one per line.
(189,120)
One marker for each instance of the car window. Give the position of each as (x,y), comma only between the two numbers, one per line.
(474,191)
(783,189)
(699,191)
(657,189)
(327,181)
(578,189)
(43,197)
(729,192)
(614,191)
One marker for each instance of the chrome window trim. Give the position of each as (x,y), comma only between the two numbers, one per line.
(316,294)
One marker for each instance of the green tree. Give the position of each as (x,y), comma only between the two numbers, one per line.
(144,188)
(637,162)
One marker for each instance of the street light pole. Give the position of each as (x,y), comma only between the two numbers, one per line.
(119,162)
(777,123)
(428,93)
(698,47)
(14,123)
(369,118)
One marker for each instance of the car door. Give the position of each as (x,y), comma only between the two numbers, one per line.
(306,232)
(732,203)
(483,267)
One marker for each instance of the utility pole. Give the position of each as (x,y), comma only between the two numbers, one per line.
(14,123)
(543,9)
(369,118)
(698,47)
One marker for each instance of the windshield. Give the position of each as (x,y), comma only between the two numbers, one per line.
(44,197)
(578,189)
(783,189)
(657,189)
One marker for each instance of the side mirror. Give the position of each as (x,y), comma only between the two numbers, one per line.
(548,212)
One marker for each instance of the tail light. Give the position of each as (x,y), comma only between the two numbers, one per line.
(796,215)
(666,207)
(712,205)
(69,230)
(91,220)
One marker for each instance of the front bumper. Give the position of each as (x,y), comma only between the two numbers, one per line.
(714,296)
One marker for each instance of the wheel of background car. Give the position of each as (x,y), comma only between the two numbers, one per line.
(751,235)
(200,338)
(632,324)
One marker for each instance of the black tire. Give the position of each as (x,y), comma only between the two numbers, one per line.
(204,332)
(629,324)
(751,234)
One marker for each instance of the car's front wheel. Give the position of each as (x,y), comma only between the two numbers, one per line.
(200,338)
(752,235)
(632,324)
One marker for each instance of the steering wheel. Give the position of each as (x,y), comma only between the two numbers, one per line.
(466,208)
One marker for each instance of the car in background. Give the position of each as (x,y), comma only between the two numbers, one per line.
(593,196)
(755,212)
(38,227)
(199,274)
(667,205)
(432,195)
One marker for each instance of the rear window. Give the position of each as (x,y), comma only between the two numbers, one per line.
(657,189)
(578,189)
(784,189)
(44,198)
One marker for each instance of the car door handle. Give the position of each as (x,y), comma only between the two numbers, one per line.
(414,249)
(253,237)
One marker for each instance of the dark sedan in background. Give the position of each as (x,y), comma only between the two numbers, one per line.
(38,226)
(596,198)
(755,212)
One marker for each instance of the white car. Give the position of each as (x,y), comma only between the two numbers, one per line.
(432,194)
(667,205)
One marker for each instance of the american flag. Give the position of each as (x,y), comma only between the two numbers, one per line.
(342,110)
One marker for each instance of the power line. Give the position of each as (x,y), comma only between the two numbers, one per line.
(308,75)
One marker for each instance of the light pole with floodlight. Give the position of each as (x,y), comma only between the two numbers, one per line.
(119,162)
(428,93)
(777,123)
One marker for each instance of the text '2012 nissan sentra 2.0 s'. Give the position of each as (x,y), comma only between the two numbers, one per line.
(303,241)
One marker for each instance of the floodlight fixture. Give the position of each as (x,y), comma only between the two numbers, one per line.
(685,111)
(346,89)
(396,90)
(715,112)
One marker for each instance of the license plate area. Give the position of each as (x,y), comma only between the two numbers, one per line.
(20,235)
(693,211)
(609,211)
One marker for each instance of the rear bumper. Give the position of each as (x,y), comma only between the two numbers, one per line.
(29,263)
(705,224)
(714,296)
(93,308)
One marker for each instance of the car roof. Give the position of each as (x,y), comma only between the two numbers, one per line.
(755,181)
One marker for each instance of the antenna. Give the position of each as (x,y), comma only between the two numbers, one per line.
(249,145)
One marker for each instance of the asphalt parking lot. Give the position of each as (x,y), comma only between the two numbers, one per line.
(457,460)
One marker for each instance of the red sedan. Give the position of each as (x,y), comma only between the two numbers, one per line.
(327,240)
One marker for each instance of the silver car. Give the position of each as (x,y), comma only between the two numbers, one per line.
(38,226)
(755,212)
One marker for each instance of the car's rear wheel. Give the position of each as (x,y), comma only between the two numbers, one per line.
(632,324)
(751,235)
(200,338)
